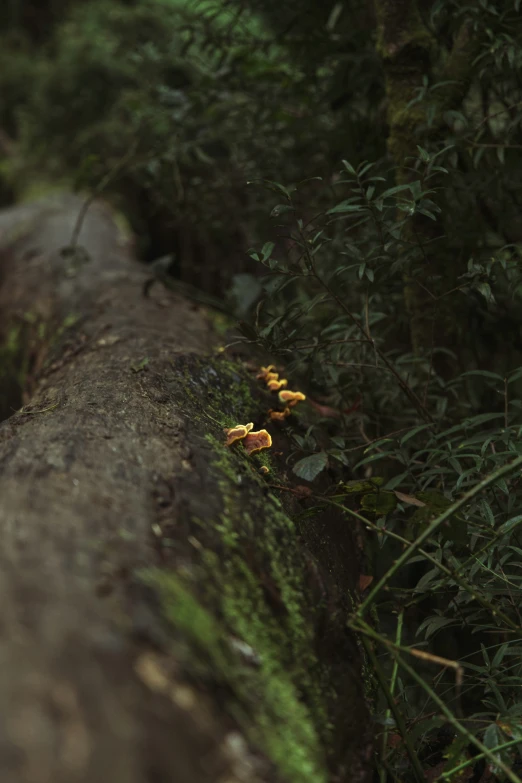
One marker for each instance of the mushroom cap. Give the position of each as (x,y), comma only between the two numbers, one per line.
(275,385)
(264,470)
(279,415)
(238,432)
(257,441)
(264,371)
(290,397)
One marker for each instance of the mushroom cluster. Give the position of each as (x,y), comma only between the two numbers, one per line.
(271,378)
(253,442)
(286,397)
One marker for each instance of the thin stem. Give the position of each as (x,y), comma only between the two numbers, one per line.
(451,772)
(398,717)
(393,682)
(363,628)
(376,440)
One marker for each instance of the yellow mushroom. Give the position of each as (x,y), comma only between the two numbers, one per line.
(257,441)
(275,385)
(238,432)
(291,398)
(279,415)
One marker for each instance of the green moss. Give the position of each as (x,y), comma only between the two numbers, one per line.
(267,689)
(247,612)
(221,323)
(224,389)
(256,598)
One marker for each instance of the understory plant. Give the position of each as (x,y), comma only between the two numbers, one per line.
(423,453)
(389,289)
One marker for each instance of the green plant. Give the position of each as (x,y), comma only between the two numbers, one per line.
(446,447)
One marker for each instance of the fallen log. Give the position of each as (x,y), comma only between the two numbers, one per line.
(165,616)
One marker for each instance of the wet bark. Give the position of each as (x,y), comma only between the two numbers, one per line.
(164,616)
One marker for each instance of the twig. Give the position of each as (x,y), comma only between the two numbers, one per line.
(496,146)
(393,682)
(100,187)
(399,719)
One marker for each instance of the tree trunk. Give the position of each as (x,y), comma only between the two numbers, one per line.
(164,615)
(416,117)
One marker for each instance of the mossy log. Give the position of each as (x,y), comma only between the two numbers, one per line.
(166,613)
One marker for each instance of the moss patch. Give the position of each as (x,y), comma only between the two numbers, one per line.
(244,605)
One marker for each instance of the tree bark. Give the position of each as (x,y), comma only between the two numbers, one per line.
(165,616)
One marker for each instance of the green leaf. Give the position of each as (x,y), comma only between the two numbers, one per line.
(360,487)
(371,458)
(280,209)
(310,467)
(433,624)
(484,374)
(394,190)
(492,736)
(510,524)
(379,503)
(486,511)
(396,480)
(266,250)
(515,375)
(344,206)
(349,168)
(414,432)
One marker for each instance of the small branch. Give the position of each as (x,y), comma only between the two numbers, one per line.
(397,714)
(100,187)
(495,146)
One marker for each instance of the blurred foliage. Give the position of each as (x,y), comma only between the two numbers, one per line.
(372,162)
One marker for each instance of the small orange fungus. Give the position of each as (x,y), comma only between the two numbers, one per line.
(275,385)
(290,397)
(264,470)
(279,415)
(238,432)
(257,441)
(266,371)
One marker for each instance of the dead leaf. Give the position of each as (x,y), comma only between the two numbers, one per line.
(333,413)
(325,410)
(412,501)
(365,581)
(302,492)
